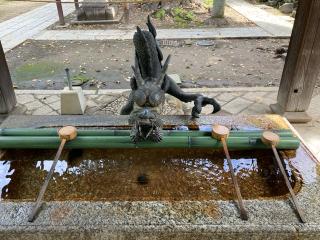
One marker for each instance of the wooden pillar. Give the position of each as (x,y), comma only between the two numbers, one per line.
(76,4)
(60,12)
(7,96)
(126,13)
(302,66)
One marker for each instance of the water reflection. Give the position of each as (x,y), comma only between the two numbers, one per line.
(173,174)
(5,173)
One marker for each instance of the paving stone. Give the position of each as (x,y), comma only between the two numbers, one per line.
(24,98)
(18,29)
(34,105)
(91,110)
(257,108)
(19,109)
(55,105)
(237,105)
(43,110)
(105,99)
(42,97)
(51,99)
(212,94)
(91,103)
(222,103)
(250,102)
(228,96)
(271,23)
(255,96)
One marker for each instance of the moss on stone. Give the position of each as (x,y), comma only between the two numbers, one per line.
(37,70)
(182,16)
(80,79)
(159,14)
(208,3)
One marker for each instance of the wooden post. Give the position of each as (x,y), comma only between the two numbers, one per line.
(60,12)
(301,68)
(218,8)
(7,96)
(76,4)
(126,13)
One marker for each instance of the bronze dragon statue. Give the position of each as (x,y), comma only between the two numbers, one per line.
(149,85)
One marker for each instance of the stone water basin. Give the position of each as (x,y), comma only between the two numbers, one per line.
(156,193)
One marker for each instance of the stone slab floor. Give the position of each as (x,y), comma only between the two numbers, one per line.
(254,100)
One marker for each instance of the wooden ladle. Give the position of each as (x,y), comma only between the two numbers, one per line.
(272,139)
(66,134)
(221,133)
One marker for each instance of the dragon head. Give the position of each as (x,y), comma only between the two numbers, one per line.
(148,97)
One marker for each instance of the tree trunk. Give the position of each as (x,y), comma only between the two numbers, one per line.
(7,96)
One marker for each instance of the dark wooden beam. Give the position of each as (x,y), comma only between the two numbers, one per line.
(302,66)
(7,96)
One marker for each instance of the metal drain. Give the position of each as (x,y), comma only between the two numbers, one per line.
(170,43)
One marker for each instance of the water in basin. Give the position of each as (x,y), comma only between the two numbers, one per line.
(142,175)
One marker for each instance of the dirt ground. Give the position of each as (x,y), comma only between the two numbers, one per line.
(138,16)
(106,64)
(10,9)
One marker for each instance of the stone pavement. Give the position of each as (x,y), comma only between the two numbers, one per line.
(240,100)
(275,25)
(30,25)
(18,29)
(268,25)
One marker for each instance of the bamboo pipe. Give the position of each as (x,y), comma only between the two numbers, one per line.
(221,133)
(65,134)
(271,139)
(52,142)
(109,132)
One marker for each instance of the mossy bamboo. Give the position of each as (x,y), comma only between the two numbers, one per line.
(52,142)
(107,132)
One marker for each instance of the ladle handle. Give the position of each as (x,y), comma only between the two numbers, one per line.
(68,78)
(46,183)
(243,211)
(283,172)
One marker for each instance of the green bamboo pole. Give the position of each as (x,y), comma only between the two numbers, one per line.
(52,142)
(104,132)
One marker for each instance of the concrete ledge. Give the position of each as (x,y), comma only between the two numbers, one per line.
(200,33)
(119,91)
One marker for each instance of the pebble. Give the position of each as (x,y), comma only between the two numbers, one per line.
(286,8)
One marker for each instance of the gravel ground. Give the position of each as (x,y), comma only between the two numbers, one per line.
(106,64)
